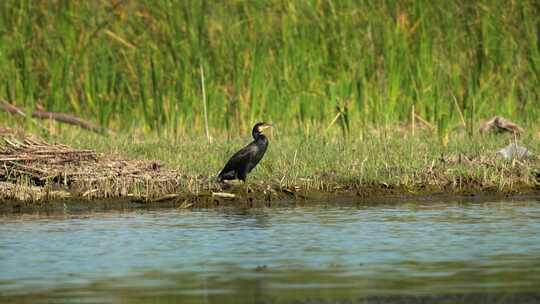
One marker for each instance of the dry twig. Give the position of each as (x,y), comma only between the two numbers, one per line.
(60,117)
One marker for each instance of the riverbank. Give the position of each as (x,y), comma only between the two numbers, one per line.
(181,173)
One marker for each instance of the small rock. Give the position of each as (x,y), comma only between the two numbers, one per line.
(514,151)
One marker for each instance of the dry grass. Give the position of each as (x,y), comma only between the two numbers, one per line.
(34,170)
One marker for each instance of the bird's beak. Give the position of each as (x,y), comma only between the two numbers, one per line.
(265,126)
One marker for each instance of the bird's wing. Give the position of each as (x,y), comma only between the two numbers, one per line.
(240,157)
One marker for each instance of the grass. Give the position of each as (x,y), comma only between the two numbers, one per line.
(380,163)
(398,161)
(135,66)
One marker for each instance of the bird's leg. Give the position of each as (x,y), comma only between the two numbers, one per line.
(225,185)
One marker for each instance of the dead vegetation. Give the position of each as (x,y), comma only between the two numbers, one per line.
(498,124)
(59,117)
(32,169)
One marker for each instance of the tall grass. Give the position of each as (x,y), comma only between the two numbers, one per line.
(135,65)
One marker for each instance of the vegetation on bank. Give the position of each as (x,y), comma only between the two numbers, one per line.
(391,160)
(380,164)
(366,97)
(138,66)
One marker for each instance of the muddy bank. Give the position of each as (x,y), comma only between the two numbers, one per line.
(255,200)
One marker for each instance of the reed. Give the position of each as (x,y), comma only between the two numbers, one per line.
(135,65)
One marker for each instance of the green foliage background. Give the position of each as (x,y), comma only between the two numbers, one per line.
(136,65)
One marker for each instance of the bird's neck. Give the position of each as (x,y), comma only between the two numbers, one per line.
(259,137)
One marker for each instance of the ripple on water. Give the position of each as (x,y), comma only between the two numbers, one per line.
(343,252)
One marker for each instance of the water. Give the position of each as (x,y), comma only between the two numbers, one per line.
(416,252)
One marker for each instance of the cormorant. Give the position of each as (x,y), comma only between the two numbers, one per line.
(243,161)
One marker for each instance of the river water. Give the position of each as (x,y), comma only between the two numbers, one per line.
(440,252)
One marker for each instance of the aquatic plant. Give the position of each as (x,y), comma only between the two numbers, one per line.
(136,66)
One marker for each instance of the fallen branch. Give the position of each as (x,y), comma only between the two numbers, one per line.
(60,117)
(223,195)
(498,124)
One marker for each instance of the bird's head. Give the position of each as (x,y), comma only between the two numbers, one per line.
(259,128)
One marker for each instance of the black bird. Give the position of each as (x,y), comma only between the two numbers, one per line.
(243,161)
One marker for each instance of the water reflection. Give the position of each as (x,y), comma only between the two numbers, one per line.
(382,254)
(245,218)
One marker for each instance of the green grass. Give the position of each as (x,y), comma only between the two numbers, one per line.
(134,66)
(394,160)
(380,163)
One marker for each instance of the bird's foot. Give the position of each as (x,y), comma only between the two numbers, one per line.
(227,184)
